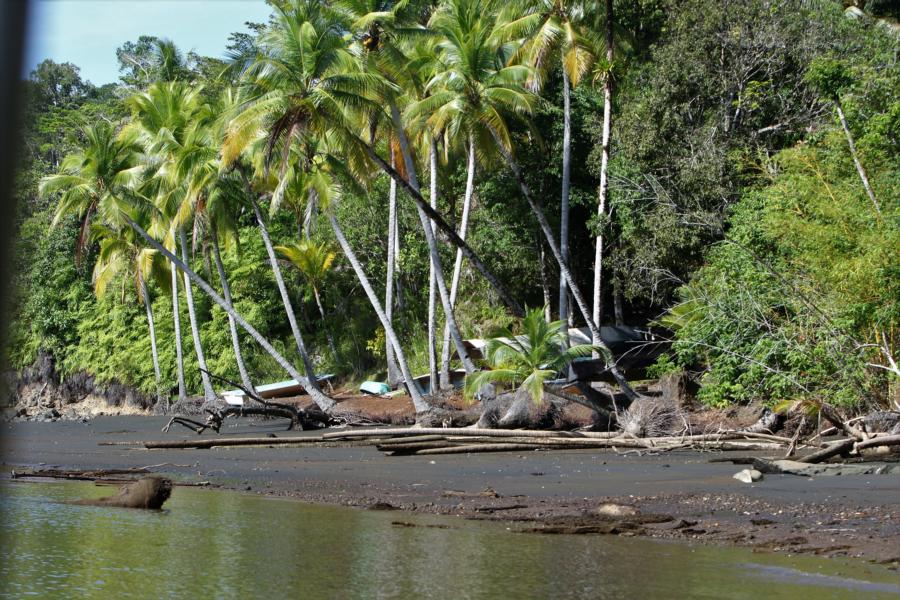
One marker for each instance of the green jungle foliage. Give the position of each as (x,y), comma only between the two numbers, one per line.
(736,215)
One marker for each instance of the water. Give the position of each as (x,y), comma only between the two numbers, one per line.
(209,544)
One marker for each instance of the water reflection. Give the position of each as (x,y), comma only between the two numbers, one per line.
(223,545)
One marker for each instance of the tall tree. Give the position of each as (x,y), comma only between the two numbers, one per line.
(164,118)
(93,184)
(552,30)
(830,78)
(382,53)
(319,176)
(217,197)
(471,90)
(296,87)
(606,76)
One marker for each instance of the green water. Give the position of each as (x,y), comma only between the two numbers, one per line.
(209,544)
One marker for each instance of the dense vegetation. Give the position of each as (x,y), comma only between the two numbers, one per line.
(743,155)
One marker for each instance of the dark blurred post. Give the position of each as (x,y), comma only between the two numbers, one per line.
(12,49)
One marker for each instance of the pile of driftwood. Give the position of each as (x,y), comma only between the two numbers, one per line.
(464,441)
(429,441)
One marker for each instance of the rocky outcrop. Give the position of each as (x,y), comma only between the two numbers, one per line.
(40,393)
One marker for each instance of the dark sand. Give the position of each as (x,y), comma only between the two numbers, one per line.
(677,495)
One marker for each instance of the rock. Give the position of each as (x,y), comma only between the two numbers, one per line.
(612,510)
(748,475)
(149,492)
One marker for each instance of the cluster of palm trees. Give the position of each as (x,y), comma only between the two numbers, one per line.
(337,94)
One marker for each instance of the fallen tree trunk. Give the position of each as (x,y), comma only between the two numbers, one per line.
(573,445)
(465,431)
(839,447)
(885,440)
(210,442)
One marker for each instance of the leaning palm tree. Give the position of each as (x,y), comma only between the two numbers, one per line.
(91,179)
(217,198)
(314,261)
(379,26)
(381,51)
(94,184)
(527,362)
(297,86)
(220,211)
(468,95)
(319,176)
(319,398)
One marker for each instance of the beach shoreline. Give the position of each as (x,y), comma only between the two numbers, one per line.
(675,495)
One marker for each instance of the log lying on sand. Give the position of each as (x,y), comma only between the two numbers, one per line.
(246,441)
(464,431)
(79,475)
(530,433)
(832,449)
(409,440)
(466,445)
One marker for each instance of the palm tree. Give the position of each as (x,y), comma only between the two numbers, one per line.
(381,50)
(468,11)
(553,30)
(217,199)
(318,397)
(470,91)
(314,263)
(605,75)
(393,241)
(91,180)
(120,253)
(93,183)
(319,177)
(162,119)
(527,361)
(220,210)
(298,86)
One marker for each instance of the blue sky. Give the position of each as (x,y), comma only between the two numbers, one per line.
(87,32)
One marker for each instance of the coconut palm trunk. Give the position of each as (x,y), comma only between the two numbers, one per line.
(328,334)
(564,199)
(457,267)
(321,400)
(432,280)
(445,228)
(179,352)
(393,375)
(603,192)
(208,391)
(285,299)
(863,176)
(232,326)
(538,211)
(419,402)
(145,297)
(432,244)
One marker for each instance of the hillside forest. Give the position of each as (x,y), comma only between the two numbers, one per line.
(357,186)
